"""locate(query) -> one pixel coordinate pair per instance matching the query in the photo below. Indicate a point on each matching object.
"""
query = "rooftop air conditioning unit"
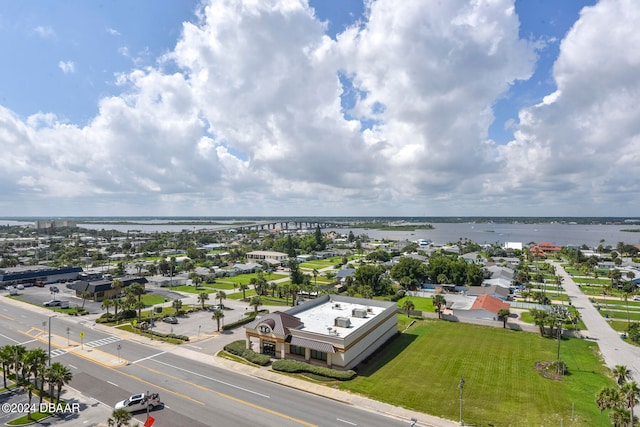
(342, 322)
(359, 312)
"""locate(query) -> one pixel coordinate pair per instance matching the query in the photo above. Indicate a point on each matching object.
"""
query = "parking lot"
(197, 326)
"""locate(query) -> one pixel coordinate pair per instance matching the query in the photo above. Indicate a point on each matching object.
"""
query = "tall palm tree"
(503, 314)
(7, 358)
(58, 375)
(255, 302)
(106, 304)
(202, 297)
(29, 387)
(243, 287)
(622, 374)
(35, 360)
(438, 302)
(220, 295)
(138, 290)
(608, 398)
(177, 306)
(217, 316)
(631, 395)
(315, 276)
(116, 285)
(19, 352)
(116, 304)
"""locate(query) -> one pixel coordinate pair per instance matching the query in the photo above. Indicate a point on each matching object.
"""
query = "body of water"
(558, 234)
(561, 234)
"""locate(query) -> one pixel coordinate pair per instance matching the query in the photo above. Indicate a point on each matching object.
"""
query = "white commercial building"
(334, 331)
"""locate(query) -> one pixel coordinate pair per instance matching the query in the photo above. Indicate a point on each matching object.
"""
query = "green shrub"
(238, 348)
(249, 318)
(257, 358)
(296, 367)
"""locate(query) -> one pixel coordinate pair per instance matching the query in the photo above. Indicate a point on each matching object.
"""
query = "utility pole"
(460, 386)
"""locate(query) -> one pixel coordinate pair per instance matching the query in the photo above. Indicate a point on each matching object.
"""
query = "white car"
(636, 298)
(139, 402)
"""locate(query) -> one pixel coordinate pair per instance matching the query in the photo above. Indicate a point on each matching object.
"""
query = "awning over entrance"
(313, 345)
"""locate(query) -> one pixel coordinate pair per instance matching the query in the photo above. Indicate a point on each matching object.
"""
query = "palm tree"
(408, 305)
(622, 374)
(217, 316)
(503, 314)
(19, 352)
(315, 276)
(59, 375)
(631, 394)
(119, 418)
(35, 360)
(7, 358)
(540, 319)
(116, 285)
(438, 302)
(243, 287)
(608, 398)
(255, 302)
(137, 290)
(116, 304)
(106, 304)
(220, 295)
(177, 306)
(29, 386)
(202, 297)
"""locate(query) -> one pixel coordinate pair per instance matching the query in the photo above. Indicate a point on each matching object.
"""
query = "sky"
(320, 108)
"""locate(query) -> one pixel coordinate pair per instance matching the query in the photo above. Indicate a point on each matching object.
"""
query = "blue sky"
(338, 107)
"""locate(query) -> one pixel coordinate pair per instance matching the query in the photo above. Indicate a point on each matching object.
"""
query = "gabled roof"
(489, 303)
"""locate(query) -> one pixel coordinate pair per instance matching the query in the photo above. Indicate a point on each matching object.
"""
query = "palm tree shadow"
(387, 352)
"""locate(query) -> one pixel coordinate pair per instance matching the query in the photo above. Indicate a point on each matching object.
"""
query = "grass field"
(421, 370)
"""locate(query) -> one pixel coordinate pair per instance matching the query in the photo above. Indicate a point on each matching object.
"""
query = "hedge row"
(296, 367)
(238, 348)
(250, 317)
(161, 335)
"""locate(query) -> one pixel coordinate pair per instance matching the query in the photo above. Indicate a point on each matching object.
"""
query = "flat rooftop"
(321, 317)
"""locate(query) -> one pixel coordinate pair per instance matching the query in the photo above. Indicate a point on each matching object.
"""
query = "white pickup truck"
(139, 402)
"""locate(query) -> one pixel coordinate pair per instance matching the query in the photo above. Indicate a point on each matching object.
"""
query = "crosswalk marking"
(102, 341)
(57, 352)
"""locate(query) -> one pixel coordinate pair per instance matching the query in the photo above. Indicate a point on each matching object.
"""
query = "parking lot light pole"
(460, 386)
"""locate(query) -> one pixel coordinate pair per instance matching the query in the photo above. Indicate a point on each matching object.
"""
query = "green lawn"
(421, 369)
(420, 303)
(591, 281)
(152, 299)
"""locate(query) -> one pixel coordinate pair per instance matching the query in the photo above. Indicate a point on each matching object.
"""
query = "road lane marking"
(213, 379)
(114, 384)
(6, 317)
(227, 396)
(346, 422)
(148, 357)
(10, 339)
(71, 366)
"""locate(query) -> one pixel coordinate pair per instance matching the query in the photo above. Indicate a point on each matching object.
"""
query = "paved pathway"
(614, 350)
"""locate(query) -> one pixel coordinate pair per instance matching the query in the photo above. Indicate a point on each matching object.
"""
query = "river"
(561, 234)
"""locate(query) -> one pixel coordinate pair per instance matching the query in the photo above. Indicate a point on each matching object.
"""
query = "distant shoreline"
(346, 220)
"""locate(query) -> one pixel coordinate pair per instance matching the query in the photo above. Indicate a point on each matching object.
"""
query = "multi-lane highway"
(107, 368)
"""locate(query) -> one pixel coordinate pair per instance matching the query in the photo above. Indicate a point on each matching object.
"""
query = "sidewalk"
(111, 360)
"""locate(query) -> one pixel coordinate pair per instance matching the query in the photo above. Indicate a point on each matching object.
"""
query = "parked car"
(636, 298)
(170, 319)
(139, 402)
(52, 303)
(54, 289)
(214, 307)
(19, 287)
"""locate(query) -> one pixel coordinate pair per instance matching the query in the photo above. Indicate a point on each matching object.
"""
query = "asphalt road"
(196, 390)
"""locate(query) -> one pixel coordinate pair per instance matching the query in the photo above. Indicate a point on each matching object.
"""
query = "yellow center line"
(7, 317)
(235, 399)
(134, 377)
